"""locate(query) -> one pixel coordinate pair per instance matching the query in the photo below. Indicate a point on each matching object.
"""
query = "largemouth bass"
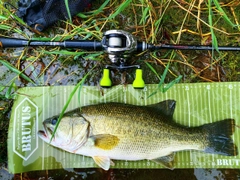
(128, 132)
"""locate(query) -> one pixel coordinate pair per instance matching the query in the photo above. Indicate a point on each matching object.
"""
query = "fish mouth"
(46, 133)
(42, 134)
(49, 131)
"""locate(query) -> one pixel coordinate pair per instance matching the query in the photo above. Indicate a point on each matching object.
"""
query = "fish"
(118, 131)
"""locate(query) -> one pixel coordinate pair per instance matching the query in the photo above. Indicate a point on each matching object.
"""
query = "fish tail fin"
(219, 138)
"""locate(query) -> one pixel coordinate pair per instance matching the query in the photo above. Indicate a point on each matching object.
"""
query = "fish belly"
(137, 149)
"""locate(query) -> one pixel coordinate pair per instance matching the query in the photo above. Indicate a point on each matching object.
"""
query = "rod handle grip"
(83, 44)
(12, 42)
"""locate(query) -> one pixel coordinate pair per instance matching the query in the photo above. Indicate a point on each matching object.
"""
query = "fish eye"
(54, 121)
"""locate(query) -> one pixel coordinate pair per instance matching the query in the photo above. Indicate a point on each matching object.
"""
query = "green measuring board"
(197, 104)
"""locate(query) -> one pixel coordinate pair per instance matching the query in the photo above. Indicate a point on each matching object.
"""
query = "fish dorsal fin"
(105, 141)
(166, 107)
(103, 161)
(167, 161)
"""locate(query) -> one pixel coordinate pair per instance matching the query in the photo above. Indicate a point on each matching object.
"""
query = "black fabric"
(40, 14)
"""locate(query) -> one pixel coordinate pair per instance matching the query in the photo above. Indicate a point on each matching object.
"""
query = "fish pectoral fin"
(105, 141)
(103, 161)
(167, 161)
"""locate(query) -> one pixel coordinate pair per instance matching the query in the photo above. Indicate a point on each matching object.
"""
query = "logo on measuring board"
(25, 128)
(228, 162)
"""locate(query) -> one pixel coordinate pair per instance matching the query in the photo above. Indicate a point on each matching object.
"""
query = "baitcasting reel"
(119, 45)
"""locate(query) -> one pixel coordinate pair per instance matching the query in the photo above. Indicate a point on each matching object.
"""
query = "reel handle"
(138, 83)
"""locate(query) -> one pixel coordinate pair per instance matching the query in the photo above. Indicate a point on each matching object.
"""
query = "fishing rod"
(118, 44)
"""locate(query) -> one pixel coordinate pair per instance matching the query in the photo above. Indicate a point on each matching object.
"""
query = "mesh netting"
(40, 14)
(56, 9)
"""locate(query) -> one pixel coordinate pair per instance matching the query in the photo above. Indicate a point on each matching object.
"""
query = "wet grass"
(188, 22)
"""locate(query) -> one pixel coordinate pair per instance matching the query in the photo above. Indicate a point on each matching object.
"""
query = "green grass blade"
(120, 9)
(2, 88)
(214, 39)
(3, 17)
(224, 15)
(153, 70)
(164, 75)
(65, 52)
(161, 86)
(8, 94)
(68, 10)
(95, 12)
(144, 15)
(4, 27)
(169, 85)
(79, 94)
(93, 56)
(15, 70)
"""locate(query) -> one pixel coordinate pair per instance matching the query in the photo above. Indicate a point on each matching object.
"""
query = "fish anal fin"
(167, 161)
(166, 107)
(103, 161)
(105, 141)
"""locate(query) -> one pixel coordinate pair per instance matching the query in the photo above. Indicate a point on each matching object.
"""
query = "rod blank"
(97, 46)
(80, 44)
(195, 47)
